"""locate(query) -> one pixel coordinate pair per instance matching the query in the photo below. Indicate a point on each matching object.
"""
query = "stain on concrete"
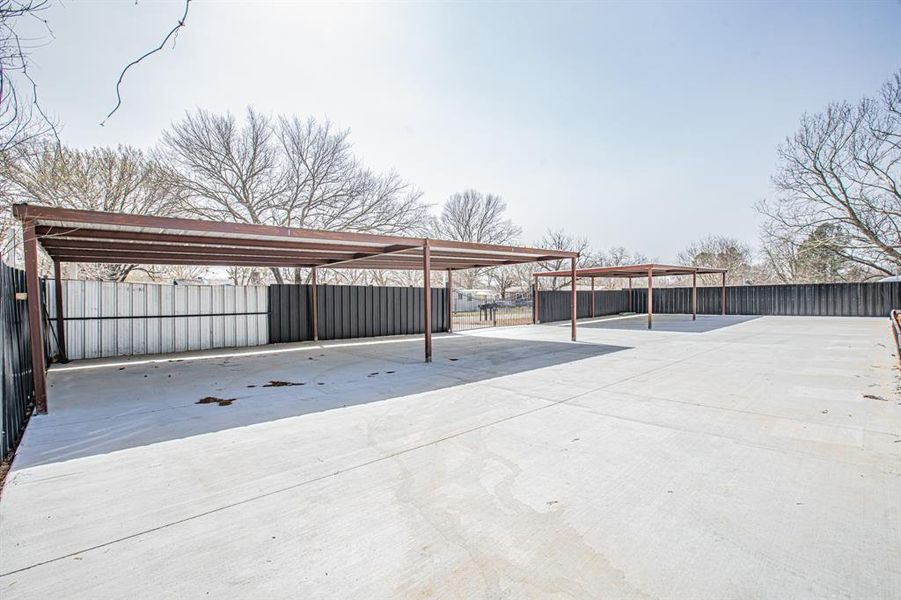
(494, 548)
(215, 400)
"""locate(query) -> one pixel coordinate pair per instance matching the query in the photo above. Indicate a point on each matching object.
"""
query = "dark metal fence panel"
(351, 311)
(555, 305)
(819, 299)
(17, 386)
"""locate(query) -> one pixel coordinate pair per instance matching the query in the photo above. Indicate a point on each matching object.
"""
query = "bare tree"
(842, 169)
(22, 119)
(171, 35)
(617, 256)
(720, 252)
(174, 273)
(288, 172)
(818, 258)
(560, 240)
(505, 279)
(246, 276)
(614, 257)
(471, 216)
(120, 180)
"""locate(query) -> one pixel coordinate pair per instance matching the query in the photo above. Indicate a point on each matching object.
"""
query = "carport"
(630, 272)
(69, 235)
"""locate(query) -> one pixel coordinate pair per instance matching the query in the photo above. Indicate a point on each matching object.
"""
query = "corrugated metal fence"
(104, 318)
(350, 311)
(820, 299)
(554, 306)
(16, 388)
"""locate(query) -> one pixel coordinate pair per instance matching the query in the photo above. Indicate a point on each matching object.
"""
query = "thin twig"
(173, 31)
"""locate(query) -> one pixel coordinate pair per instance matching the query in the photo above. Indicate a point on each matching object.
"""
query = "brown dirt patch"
(215, 400)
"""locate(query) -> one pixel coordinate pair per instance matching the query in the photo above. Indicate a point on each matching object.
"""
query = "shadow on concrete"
(673, 323)
(98, 407)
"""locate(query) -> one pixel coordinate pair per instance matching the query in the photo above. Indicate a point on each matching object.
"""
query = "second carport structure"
(630, 272)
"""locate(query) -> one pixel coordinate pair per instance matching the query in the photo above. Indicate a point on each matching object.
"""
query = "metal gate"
(17, 387)
(476, 311)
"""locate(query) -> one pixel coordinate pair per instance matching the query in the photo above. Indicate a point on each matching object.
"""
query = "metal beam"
(592, 297)
(634, 271)
(631, 305)
(197, 260)
(35, 325)
(60, 315)
(650, 298)
(314, 309)
(138, 255)
(723, 295)
(46, 233)
(536, 253)
(450, 301)
(573, 297)
(694, 296)
(91, 217)
(535, 300)
(360, 256)
(62, 245)
(427, 298)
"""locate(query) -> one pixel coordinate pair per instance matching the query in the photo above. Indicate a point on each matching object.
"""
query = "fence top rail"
(70, 235)
(642, 270)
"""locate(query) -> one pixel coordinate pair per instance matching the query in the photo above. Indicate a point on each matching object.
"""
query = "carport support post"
(574, 303)
(450, 301)
(60, 322)
(427, 298)
(35, 329)
(631, 306)
(592, 297)
(535, 300)
(694, 296)
(314, 310)
(723, 295)
(650, 298)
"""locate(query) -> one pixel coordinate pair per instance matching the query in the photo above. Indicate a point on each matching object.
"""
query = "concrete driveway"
(725, 458)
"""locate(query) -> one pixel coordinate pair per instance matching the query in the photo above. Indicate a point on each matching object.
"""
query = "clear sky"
(645, 125)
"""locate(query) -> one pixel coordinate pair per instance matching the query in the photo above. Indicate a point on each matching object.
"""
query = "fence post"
(592, 298)
(427, 298)
(33, 290)
(694, 296)
(631, 306)
(723, 295)
(573, 300)
(450, 301)
(60, 316)
(314, 309)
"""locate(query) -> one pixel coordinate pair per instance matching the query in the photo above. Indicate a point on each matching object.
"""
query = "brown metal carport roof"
(70, 235)
(656, 270)
(649, 270)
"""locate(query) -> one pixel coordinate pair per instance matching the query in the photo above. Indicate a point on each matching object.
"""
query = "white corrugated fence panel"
(105, 318)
